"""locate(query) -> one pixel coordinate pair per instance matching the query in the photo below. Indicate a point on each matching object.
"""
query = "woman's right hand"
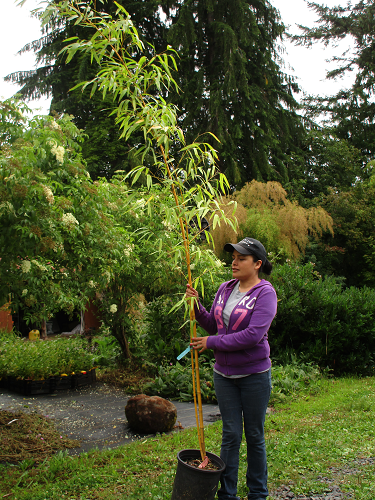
(190, 292)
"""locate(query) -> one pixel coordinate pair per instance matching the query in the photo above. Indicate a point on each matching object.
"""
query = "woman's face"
(244, 266)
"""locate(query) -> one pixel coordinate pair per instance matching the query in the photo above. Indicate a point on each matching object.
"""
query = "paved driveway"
(94, 414)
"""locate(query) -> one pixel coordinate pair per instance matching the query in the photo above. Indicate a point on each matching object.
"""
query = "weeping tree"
(265, 211)
(135, 82)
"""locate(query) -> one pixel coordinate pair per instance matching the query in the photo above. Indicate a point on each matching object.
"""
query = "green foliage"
(232, 86)
(59, 240)
(165, 333)
(294, 378)
(175, 381)
(39, 359)
(106, 352)
(350, 251)
(330, 325)
(329, 163)
(350, 110)
(288, 381)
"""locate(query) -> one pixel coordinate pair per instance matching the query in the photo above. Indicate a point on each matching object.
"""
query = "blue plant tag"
(188, 349)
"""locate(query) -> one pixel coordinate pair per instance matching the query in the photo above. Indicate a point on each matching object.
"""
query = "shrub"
(164, 338)
(294, 377)
(332, 326)
(166, 333)
(174, 381)
(106, 351)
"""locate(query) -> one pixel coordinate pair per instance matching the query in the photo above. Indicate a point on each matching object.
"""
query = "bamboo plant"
(187, 171)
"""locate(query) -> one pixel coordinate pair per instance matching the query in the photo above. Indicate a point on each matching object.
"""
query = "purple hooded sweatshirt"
(242, 348)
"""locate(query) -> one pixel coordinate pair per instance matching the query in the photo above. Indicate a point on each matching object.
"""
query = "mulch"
(29, 437)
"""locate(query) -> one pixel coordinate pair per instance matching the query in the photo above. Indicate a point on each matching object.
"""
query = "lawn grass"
(313, 442)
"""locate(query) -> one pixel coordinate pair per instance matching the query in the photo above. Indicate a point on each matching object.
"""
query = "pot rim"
(195, 453)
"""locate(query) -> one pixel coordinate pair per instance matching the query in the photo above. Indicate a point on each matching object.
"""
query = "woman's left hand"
(200, 343)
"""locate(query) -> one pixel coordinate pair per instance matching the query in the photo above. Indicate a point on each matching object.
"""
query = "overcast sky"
(17, 28)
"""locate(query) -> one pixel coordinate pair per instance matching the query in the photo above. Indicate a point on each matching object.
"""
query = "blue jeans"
(245, 398)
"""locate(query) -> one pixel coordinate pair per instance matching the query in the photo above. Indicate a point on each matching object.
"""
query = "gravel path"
(284, 493)
(333, 491)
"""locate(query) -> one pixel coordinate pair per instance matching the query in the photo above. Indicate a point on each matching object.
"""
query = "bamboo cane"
(193, 378)
(196, 380)
(200, 425)
(201, 445)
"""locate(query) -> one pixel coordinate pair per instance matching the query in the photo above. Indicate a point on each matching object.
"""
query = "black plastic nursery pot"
(61, 382)
(83, 378)
(28, 387)
(191, 483)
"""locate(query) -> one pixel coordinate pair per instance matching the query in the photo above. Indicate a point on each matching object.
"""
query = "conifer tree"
(351, 110)
(232, 85)
(229, 77)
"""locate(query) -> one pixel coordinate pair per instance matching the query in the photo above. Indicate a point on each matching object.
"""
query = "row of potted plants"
(41, 367)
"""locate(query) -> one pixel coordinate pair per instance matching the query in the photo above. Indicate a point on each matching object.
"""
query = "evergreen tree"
(232, 85)
(230, 80)
(351, 110)
(350, 252)
(329, 163)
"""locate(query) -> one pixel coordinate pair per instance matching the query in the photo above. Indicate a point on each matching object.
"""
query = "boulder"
(150, 414)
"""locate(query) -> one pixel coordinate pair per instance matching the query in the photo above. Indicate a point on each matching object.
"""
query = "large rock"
(150, 414)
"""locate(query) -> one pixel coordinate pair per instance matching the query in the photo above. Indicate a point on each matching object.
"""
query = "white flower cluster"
(55, 126)
(48, 194)
(24, 292)
(167, 225)
(69, 220)
(58, 151)
(107, 274)
(59, 247)
(91, 284)
(38, 264)
(128, 250)
(113, 308)
(25, 266)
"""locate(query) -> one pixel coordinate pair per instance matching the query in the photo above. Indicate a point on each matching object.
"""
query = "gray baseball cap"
(248, 246)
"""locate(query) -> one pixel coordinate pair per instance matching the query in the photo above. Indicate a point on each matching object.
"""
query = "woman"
(237, 324)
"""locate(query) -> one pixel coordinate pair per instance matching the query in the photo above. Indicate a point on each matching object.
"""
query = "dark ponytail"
(266, 267)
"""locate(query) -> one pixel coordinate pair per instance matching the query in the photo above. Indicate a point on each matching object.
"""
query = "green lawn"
(327, 436)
